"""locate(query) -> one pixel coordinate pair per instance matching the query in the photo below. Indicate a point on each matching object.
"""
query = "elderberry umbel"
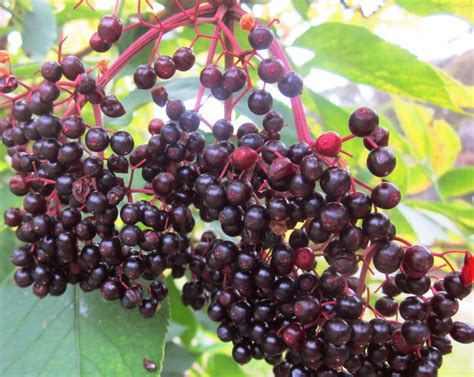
(288, 284)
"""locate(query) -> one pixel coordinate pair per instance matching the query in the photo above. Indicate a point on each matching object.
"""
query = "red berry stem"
(362, 184)
(297, 109)
(210, 56)
(402, 240)
(368, 255)
(165, 26)
(348, 137)
(230, 45)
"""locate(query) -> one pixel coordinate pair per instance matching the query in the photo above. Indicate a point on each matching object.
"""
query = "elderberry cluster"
(286, 211)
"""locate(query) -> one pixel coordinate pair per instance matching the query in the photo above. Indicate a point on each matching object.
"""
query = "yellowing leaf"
(419, 182)
(445, 146)
(414, 120)
(462, 8)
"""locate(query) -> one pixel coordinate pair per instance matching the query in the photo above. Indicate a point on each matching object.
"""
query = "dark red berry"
(99, 44)
(112, 107)
(164, 67)
(363, 121)
(291, 85)
(144, 77)
(234, 79)
(260, 102)
(184, 58)
(211, 76)
(386, 195)
(71, 67)
(51, 71)
(260, 37)
(271, 70)
(381, 161)
(110, 28)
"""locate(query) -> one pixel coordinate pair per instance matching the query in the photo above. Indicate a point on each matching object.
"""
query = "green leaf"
(457, 182)
(426, 230)
(82, 12)
(39, 30)
(76, 334)
(177, 360)
(8, 199)
(459, 211)
(361, 56)
(445, 146)
(178, 88)
(302, 7)
(462, 8)
(26, 69)
(180, 314)
(220, 362)
(333, 117)
(7, 237)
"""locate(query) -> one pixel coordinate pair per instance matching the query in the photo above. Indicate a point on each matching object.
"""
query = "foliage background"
(426, 106)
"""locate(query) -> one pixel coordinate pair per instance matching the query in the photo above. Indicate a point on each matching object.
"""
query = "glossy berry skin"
(363, 121)
(244, 158)
(291, 85)
(159, 96)
(358, 204)
(85, 84)
(122, 143)
(260, 102)
(112, 107)
(260, 37)
(304, 259)
(455, 287)
(175, 109)
(211, 76)
(379, 136)
(110, 28)
(144, 77)
(328, 144)
(311, 168)
(97, 139)
(271, 70)
(388, 257)
(98, 44)
(51, 71)
(443, 305)
(189, 121)
(335, 181)
(333, 217)
(220, 93)
(417, 261)
(165, 67)
(234, 79)
(376, 226)
(73, 127)
(462, 332)
(386, 195)
(71, 67)
(222, 129)
(184, 59)
(381, 161)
